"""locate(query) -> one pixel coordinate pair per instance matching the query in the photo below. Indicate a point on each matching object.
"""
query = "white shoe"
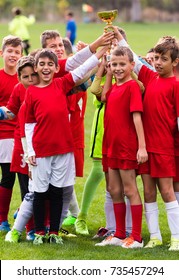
(130, 243)
(174, 246)
(110, 240)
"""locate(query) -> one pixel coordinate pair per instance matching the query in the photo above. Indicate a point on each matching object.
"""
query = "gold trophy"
(108, 17)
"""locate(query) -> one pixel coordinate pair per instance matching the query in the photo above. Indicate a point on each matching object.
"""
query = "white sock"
(151, 214)
(25, 212)
(128, 216)
(74, 208)
(109, 212)
(177, 196)
(172, 209)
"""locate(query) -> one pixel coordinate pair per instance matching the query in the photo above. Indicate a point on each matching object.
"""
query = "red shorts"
(158, 166)
(115, 163)
(79, 161)
(18, 163)
(176, 178)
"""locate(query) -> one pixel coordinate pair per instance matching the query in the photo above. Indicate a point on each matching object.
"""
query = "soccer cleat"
(174, 245)
(69, 221)
(130, 243)
(56, 239)
(39, 239)
(81, 227)
(13, 236)
(101, 233)
(5, 226)
(30, 236)
(153, 242)
(110, 240)
(63, 232)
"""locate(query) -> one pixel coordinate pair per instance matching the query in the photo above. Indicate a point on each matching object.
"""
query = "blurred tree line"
(51, 9)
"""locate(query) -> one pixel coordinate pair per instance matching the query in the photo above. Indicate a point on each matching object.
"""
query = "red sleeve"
(14, 102)
(29, 115)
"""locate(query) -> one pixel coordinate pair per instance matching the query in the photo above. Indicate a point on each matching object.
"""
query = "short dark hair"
(11, 40)
(23, 62)
(68, 46)
(16, 11)
(121, 51)
(70, 14)
(46, 53)
(168, 43)
(48, 34)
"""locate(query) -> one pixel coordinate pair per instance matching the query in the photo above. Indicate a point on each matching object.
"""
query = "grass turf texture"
(141, 38)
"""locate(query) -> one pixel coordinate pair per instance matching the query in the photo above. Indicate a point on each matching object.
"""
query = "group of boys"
(132, 142)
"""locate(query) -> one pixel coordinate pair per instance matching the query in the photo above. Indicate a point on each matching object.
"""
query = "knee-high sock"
(151, 214)
(120, 216)
(5, 199)
(172, 209)
(95, 177)
(39, 211)
(136, 212)
(74, 208)
(109, 212)
(25, 213)
(67, 194)
(56, 204)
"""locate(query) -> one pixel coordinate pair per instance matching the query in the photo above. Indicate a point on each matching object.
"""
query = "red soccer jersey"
(160, 116)
(77, 107)
(47, 107)
(7, 83)
(120, 138)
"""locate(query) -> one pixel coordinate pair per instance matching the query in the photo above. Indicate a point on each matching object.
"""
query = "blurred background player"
(18, 26)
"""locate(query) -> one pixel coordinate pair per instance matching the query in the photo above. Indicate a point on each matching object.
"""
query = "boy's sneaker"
(5, 226)
(63, 232)
(13, 236)
(101, 233)
(56, 239)
(30, 236)
(110, 240)
(174, 245)
(39, 239)
(81, 227)
(153, 242)
(69, 221)
(130, 243)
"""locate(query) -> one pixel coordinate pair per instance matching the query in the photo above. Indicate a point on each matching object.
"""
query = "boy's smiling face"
(56, 45)
(11, 55)
(121, 68)
(46, 69)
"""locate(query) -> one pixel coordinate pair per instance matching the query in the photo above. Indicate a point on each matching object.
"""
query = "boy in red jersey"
(123, 145)
(160, 124)
(11, 51)
(15, 106)
(49, 138)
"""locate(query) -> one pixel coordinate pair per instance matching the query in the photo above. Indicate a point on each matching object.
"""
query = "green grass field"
(141, 38)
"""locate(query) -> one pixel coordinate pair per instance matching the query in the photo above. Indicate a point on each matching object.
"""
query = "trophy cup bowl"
(108, 16)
